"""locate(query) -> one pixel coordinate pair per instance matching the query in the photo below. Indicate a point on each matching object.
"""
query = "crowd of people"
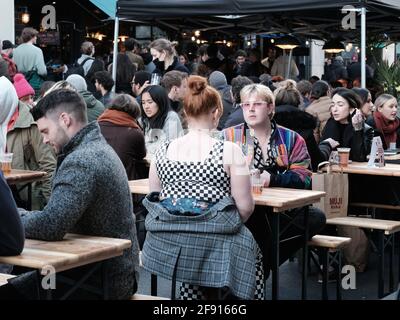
(207, 126)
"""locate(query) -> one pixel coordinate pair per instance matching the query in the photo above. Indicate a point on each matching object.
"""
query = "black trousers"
(260, 227)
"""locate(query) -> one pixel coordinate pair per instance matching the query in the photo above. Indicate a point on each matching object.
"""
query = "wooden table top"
(280, 199)
(74, 251)
(24, 176)
(390, 169)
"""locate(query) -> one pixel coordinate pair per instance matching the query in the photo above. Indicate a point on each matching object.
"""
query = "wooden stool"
(386, 230)
(331, 253)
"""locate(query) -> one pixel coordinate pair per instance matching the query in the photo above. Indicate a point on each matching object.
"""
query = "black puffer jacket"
(359, 141)
(304, 124)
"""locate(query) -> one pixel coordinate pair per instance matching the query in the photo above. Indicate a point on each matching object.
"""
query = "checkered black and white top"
(205, 181)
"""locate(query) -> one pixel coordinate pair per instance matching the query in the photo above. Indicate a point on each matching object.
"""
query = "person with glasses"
(282, 158)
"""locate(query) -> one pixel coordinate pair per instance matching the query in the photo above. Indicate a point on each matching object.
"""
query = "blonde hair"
(287, 94)
(60, 85)
(262, 91)
(382, 99)
(164, 45)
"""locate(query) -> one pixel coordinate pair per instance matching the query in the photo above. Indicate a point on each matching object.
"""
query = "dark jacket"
(359, 141)
(304, 124)
(226, 97)
(235, 117)
(354, 71)
(335, 71)
(128, 143)
(91, 196)
(176, 65)
(11, 231)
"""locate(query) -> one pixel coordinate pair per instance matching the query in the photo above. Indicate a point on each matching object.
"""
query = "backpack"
(77, 68)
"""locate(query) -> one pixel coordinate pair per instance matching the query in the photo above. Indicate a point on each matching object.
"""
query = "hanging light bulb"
(193, 38)
(272, 40)
(197, 33)
(25, 17)
(198, 41)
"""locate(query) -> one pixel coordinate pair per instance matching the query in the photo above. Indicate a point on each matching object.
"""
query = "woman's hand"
(358, 120)
(333, 143)
(265, 178)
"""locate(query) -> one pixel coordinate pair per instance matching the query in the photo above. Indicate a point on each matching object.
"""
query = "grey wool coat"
(214, 249)
(90, 195)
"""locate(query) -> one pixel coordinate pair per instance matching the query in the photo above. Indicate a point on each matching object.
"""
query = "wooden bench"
(386, 230)
(4, 277)
(331, 248)
(137, 296)
(374, 205)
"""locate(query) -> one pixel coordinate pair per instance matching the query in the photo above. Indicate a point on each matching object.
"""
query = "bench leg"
(381, 264)
(339, 275)
(325, 273)
(305, 256)
(391, 242)
(275, 255)
(153, 284)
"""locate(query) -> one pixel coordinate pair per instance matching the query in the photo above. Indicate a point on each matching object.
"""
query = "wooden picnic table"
(389, 170)
(24, 176)
(279, 200)
(73, 251)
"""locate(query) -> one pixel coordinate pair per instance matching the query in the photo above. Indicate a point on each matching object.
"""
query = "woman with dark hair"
(160, 123)
(125, 72)
(346, 124)
(320, 106)
(366, 101)
(120, 128)
(288, 114)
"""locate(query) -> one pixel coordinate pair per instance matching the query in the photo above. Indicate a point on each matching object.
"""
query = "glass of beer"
(344, 154)
(256, 183)
(5, 162)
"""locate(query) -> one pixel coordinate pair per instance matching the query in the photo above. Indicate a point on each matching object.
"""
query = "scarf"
(119, 118)
(387, 127)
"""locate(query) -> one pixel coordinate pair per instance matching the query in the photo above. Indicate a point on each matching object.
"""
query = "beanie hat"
(22, 86)
(77, 81)
(217, 80)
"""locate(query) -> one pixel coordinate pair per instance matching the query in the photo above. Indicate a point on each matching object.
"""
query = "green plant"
(389, 77)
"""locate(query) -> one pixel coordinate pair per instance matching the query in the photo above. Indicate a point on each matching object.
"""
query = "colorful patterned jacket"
(293, 163)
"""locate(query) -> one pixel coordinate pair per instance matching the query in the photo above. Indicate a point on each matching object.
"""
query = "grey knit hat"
(77, 81)
(217, 80)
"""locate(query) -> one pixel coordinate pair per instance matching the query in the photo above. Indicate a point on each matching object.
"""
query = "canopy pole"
(115, 52)
(363, 47)
(289, 64)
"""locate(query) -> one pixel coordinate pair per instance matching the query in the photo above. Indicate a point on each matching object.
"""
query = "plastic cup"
(256, 183)
(344, 155)
(155, 79)
(5, 162)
